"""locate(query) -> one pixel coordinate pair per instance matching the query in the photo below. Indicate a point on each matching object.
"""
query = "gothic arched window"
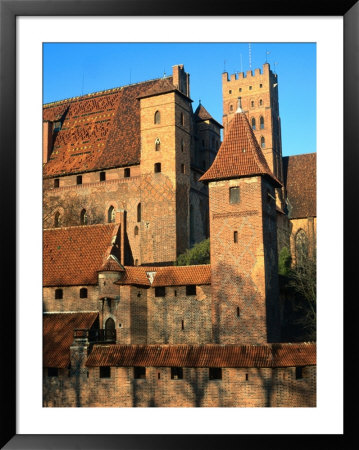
(263, 142)
(301, 247)
(111, 214)
(261, 123)
(157, 117)
(157, 144)
(83, 293)
(57, 220)
(83, 217)
(253, 123)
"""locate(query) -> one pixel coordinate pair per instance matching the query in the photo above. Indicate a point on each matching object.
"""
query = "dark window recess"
(261, 123)
(157, 167)
(139, 373)
(182, 119)
(234, 195)
(57, 220)
(191, 290)
(127, 172)
(176, 373)
(139, 212)
(102, 176)
(215, 373)
(79, 179)
(298, 373)
(238, 311)
(160, 291)
(159, 375)
(157, 117)
(105, 372)
(136, 231)
(235, 237)
(253, 124)
(52, 372)
(182, 168)
(83, 293)
(247, 377)
(56, 183)
(182, 324)
(58, 294)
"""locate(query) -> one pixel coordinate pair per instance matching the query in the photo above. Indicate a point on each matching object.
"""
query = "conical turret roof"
(239, 155)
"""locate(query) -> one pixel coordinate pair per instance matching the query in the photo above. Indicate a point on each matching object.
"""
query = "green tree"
(198, 254)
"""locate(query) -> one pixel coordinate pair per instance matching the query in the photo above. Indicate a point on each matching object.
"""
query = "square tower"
(243, 240)
(259, 99)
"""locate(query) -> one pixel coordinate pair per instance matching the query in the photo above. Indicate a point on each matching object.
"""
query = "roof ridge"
(82, 226)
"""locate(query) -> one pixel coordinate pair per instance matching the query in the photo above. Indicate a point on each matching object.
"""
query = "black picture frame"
(9, 10)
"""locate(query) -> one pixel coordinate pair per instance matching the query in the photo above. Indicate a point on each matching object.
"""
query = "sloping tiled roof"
(300, 180)
(210, 355)
(239, 155)
(99, 131)
(168, 276)
(73, 255)
(202, 114)
(58, 335)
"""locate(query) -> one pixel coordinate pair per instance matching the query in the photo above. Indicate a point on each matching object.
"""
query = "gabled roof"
(209, 355)
(167, 276)
(99, 130)
(239, 155)
(201, 114)
(72, 256)
(300, 180)
(58, 335)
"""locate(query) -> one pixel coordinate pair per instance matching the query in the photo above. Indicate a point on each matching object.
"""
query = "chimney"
(180, 79)
(46, 140)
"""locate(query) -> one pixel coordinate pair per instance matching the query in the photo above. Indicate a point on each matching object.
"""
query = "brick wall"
(71, 300)
(239, 387)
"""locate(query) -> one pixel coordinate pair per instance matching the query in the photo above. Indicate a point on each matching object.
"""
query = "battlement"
(249, 74)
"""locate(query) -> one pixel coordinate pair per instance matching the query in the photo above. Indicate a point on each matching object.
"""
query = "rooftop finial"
(239, 109)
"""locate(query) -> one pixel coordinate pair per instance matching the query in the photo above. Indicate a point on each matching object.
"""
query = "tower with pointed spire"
(243, 238)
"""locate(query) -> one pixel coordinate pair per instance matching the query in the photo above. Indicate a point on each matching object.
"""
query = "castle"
(132, 178)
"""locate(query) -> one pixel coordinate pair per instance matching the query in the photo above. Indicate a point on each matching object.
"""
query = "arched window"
(139, 212)
(58, 294)
(252, 103)
(83, 293)
(261, 122)
(301, 247)
(260, 102)
(157, 117)
(136, 230)
(111, 214)
(231, 107)
(157, 144)
(263, 142)
(110, 324)
(57, 220)
(83, 217)
(253, 123)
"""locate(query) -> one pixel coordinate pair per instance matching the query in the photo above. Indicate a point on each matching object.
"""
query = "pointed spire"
(239, 154)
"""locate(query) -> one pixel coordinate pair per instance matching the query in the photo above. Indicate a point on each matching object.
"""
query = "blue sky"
(73, 69)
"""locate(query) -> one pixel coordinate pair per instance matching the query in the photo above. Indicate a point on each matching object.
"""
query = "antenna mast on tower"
(250, 56)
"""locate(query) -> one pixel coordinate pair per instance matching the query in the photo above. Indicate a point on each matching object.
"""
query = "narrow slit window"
(56, 183)
(102, 176)
(253, 123)
(127, 172)
(182, 119)
(298, 373)
(139, 212)
(157, 117)
(238, 312)
(261, 123)
(157, 145)
(83, 217)
(182, 324)
(263, 142)
(235, 237)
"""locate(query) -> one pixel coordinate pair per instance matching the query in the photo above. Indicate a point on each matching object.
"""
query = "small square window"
(52, 372)
(56, 183)
(139, 373)
(58, 294)
(102, 176)
(261, 85)
(176, 373)
(250, 88)
(191, 290)
(79, 179)
(298, 373)
(105, 372)
(215, 373)
(234, 195)
(157, 167)
(127, 172)
(160, 291)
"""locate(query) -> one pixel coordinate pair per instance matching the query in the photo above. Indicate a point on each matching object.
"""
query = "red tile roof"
(300, 179)
(239, 155)
(202, 114)
(73, 255)
(99, 130)
(58, 335)
(168, 276)
(210, 355)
